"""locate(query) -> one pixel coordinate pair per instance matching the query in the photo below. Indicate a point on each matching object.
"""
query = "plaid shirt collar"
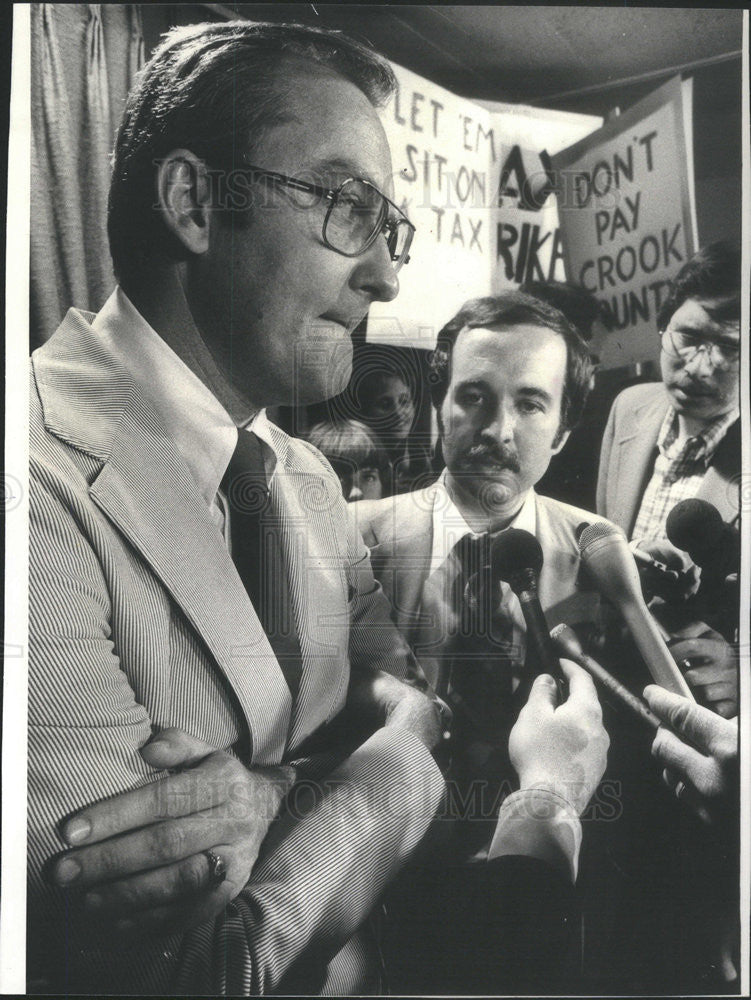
(702, 446)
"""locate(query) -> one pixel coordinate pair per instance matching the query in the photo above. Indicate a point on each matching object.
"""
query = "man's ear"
(183, 194)
(560, 439)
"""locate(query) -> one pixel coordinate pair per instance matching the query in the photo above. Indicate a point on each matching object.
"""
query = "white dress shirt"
(194, 420)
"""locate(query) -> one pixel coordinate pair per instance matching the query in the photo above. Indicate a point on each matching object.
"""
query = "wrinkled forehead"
(330, 130)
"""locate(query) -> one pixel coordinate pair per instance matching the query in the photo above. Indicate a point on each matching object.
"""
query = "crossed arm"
(139, 872)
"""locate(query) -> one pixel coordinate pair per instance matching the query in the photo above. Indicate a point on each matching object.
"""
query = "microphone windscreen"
(604, 551)
(694, 525)
(514, 551)
(600, 529)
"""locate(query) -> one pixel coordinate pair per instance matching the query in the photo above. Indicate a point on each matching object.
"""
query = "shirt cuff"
(539, 823)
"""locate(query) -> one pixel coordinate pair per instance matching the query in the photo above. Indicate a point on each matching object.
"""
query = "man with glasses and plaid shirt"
(669, 441)
(666, 442)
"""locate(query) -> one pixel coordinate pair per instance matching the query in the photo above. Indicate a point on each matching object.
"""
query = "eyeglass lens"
(686, 345)
(358, 213)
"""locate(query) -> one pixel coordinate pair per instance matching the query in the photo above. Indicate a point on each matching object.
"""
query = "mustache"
(482, 454)
(694, 388)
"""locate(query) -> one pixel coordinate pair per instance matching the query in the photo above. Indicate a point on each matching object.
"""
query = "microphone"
(659, 581)
(696, 527)
(569, 646)
(516, 557)
(605, 552)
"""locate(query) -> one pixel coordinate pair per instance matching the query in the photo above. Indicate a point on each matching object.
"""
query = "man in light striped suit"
(241, 851)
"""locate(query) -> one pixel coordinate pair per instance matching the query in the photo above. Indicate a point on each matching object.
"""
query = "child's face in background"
(358, 483)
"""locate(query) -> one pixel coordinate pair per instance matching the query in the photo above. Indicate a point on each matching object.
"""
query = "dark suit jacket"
(505, 926)
(629, 448)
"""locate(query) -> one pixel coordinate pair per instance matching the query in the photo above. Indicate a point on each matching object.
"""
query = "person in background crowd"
(384, 393)
(680, 438)
(666, 441)
(508, 378)
(361, 464)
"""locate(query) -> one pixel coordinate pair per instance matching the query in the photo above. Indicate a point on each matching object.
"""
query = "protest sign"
(473, 180)
(626, 207)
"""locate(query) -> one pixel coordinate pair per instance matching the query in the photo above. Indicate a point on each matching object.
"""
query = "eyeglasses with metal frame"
(357, 214)
(723, 355)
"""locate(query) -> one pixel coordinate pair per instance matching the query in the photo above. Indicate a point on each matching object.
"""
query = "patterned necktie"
(255, 536)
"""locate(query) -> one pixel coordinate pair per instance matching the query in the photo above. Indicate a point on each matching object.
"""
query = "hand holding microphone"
(568, 644)
(699, 751)
(696, 527)
(561, 746)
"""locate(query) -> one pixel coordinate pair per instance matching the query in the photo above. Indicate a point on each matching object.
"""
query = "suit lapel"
(562, 597)
(149, 495)
(145, 489)
(635, 453)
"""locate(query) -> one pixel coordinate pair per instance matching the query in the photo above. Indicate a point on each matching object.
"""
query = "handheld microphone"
(696, 527)
(605, 552)
(516, 557)
(569, 646)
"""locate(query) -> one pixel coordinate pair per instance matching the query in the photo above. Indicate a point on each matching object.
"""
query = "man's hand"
(707, 775)
(384, 700)
(138, 857)
(561, 747)
(677, 581)
(710, 666)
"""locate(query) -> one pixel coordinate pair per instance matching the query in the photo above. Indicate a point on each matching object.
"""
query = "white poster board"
(627, 214)
(473, 181)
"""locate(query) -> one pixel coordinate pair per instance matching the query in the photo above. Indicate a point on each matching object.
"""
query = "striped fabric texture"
(139, 620)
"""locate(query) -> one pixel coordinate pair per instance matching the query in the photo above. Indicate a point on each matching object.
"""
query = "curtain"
(94, 167)
(76, 99)
(136, 45)
(58, 275)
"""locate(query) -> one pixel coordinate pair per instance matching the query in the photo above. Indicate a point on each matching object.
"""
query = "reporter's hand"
(138, 856)
(386, 701)
(681, 576)
(708, 770)
(561, 747)
(710, 665)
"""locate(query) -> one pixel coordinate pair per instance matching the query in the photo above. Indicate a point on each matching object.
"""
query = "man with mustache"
(509, 379)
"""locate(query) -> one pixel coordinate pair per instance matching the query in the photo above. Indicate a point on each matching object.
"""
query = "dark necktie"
(480, 696)
(255, 535)
(480, 674)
